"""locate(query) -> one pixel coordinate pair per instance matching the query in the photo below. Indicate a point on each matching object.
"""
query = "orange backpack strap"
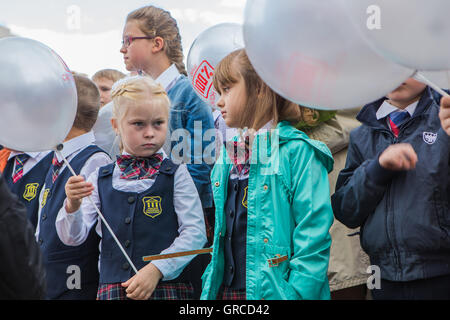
(4, 155)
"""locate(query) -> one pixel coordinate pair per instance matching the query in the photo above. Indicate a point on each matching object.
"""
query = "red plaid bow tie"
(240, 156)
(18, 170)
(56, 166)
(138, 168)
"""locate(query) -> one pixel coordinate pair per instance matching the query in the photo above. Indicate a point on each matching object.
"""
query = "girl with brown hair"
(273, 209)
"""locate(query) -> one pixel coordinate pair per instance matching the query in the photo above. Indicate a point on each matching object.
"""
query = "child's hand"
(76, 189)
(142, 285)
(398, 157)
(444, 114)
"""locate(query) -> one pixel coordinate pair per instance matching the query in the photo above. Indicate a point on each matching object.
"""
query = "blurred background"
(87, 34)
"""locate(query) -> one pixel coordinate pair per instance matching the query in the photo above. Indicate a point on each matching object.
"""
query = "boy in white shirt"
(71, 271)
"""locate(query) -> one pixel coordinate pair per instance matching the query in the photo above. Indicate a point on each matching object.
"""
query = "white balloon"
(208, 49)
(309, 52)
(413, 33)
(105, 136)
(38, 97)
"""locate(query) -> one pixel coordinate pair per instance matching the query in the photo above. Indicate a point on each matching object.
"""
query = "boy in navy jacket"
(72, 272)
(396, 187)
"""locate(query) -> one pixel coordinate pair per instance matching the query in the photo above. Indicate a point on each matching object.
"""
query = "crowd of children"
(260, 200)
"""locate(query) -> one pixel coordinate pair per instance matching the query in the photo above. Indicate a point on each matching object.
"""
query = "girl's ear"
(158, 44)
(114, 125)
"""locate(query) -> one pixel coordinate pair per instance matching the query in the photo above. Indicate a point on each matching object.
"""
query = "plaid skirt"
(226, 293)
(166, 291)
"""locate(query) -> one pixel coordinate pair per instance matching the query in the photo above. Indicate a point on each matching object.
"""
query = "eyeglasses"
(127, 40)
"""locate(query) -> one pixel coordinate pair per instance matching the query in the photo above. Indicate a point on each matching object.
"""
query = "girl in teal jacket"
(272, 197)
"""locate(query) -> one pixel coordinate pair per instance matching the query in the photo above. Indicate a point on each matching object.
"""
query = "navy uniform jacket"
(30, 185)
(404, 215)
(61, 260)
(145, 223)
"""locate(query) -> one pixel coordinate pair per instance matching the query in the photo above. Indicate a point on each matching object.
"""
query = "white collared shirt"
(169, 77)
(35, 158)
(73, 228)
(386, 109)
(72, 148)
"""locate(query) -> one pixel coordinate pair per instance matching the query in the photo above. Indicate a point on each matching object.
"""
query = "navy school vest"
(236, 234)
(30, 185)
(61, 261)
(145, 223)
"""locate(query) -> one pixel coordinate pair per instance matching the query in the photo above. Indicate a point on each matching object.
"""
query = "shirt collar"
(168, 78)
(124, 153)
(386, 109)
(33, 155)
(75, 144)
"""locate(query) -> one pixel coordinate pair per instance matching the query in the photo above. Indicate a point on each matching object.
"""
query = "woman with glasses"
(151, 46)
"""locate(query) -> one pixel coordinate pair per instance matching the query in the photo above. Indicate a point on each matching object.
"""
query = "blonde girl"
(150, 203)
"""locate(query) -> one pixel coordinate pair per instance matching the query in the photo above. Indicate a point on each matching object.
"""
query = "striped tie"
(56, 166)
(18, 170)
(396, 118)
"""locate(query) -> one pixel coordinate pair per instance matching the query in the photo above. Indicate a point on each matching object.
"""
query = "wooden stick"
(176, 254)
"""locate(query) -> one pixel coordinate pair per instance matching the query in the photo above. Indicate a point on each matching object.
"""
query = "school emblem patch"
(44, 197)
(30, 191)
(244, 199)
(152, 206)
(429, 137)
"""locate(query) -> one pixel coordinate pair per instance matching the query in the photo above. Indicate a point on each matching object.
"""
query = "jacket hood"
(287, 133)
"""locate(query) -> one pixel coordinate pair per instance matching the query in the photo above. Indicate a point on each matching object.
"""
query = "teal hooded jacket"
(289, 216)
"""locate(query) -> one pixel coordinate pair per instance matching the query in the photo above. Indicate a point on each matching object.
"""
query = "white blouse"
(71, 149)
(74, 228)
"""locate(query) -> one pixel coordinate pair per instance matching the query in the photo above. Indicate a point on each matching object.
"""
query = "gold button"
(217, 184)
(266, 187)
(266, 240)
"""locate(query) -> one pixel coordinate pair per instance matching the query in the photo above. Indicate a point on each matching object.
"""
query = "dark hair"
(88, 103)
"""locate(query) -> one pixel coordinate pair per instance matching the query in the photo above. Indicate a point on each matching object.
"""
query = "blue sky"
(87, 33)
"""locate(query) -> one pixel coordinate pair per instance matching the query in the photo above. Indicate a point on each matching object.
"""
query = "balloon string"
(115, 146)
(420, 77)
(447, 73)
(101, 216)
